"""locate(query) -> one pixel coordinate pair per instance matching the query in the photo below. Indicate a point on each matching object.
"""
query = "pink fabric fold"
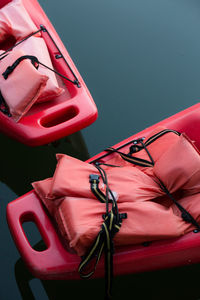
(151, 214)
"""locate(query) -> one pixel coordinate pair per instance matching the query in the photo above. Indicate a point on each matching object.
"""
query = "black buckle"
(137, 141)
(135, 147)
(123, 216)
(94, 177)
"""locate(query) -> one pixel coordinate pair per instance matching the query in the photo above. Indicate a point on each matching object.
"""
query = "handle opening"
(33, 233)
(59, 117)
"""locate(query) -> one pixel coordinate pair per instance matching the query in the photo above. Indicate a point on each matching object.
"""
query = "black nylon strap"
(103, 242)
(109, 193)
(135, 147)
(94, 186)
(11, 68)
(159, 134)
(44, 29)
(186, 216)
(138, 145)
(134, 160)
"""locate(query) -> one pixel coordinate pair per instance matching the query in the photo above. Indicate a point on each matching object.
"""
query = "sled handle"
(53, 260)
(58, 121)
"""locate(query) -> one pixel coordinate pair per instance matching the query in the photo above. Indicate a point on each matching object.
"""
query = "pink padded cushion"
(36, 46)
(80, 219)
(15, 21)
(22, 87)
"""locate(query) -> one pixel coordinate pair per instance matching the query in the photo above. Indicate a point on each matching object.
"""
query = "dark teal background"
(141, 62)
(139, 58)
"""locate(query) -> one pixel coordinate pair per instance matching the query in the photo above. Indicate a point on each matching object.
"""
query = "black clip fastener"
(94, 177)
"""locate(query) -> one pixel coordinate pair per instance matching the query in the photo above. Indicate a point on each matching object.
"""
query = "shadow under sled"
(31, 288)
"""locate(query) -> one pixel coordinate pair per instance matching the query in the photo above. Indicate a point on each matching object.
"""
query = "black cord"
(108, 191)
(43, 28)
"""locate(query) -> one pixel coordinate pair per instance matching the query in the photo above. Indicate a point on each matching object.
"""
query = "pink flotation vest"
(151, 213)
(150, 193)
(16, 23)
(36, 46)
(20, 89)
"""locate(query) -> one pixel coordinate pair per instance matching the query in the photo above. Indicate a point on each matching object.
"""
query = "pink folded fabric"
(151, 214)
(15, 21)
(127, 183)
(22, 87)
(36, 46)
(179, 166)
(80, 219)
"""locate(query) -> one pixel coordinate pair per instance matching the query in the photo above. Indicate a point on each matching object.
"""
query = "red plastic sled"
(57, 263)
(64, 115)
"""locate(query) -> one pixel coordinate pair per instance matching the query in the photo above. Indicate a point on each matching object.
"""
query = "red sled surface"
(62, 116)
(57, 263)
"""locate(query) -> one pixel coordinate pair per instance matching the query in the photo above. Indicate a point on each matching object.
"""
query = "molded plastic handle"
(57, 263)
(55, 260)
(58, 121)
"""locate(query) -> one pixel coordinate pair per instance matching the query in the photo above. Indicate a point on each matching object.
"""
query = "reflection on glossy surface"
(21, 165)
(166, 284)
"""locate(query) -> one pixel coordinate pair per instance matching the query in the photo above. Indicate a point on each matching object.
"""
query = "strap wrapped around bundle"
(151, 213)
(36, 46)
(21, 88)
(151, 194)
(15, 22)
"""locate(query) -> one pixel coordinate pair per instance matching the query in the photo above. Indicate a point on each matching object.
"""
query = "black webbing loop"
(143, 145)
(134, 160)
(159, 134)
(44, 29)
(35, 63)
(11, 68)
(147, 151)
(186, 216)
(94, 186)
(59, 74)
(109, 194)
(75, 81)
(103, 242)
(135, 147)
(126, 144)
